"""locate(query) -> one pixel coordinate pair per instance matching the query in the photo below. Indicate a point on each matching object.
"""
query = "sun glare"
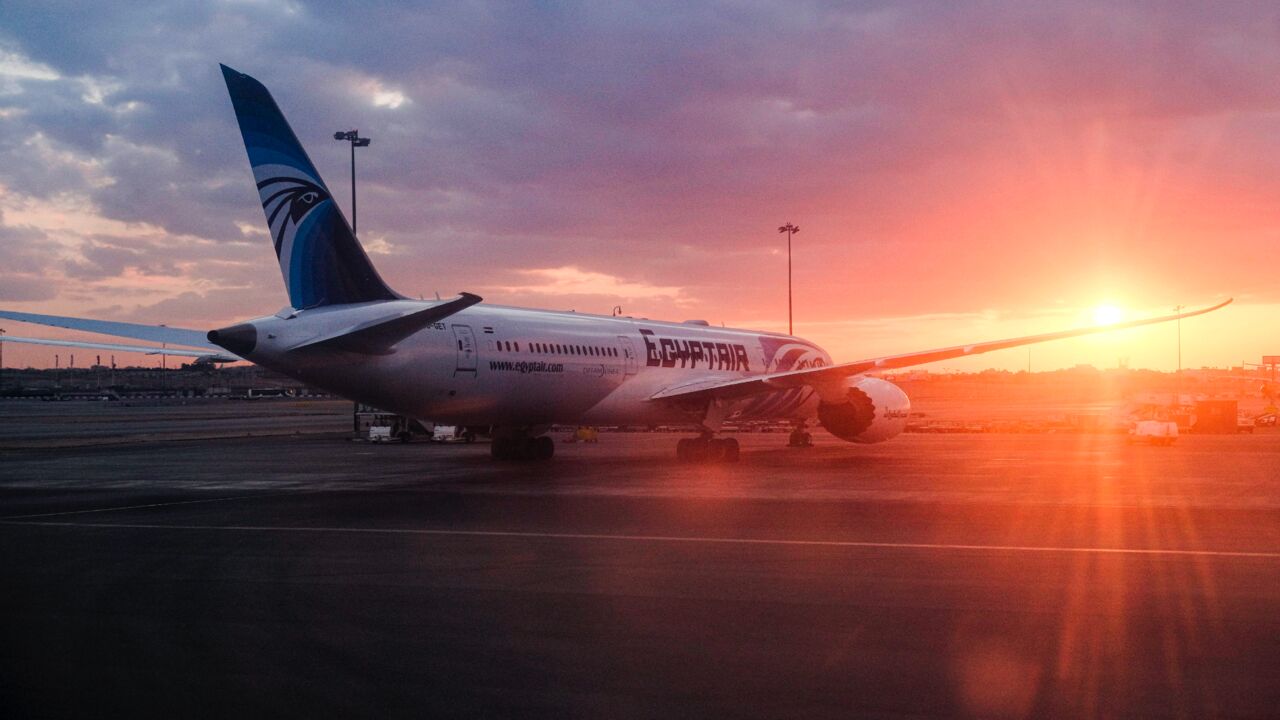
(1107, 315)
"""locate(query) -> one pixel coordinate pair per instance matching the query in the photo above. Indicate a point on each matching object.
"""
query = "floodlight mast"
(790, 230)
(352, 136)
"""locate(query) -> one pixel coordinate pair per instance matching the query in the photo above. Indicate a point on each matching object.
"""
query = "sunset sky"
(959, 172)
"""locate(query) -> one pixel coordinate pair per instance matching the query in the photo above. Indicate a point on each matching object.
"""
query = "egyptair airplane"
(515, 371)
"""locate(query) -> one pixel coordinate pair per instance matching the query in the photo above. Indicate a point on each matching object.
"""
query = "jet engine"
(869, 410)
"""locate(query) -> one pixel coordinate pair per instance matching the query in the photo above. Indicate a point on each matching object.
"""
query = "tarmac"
(296, 572)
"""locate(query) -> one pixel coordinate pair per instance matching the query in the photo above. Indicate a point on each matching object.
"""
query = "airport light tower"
(353, 136)
(1178, 377)
(790, 230)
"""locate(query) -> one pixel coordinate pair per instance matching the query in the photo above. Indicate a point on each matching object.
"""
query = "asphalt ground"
(932, 576)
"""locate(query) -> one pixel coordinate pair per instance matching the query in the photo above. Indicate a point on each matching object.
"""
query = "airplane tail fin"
(320, 258)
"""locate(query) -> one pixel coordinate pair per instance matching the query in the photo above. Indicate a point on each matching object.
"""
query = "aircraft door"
(466, 340)
(628, 353)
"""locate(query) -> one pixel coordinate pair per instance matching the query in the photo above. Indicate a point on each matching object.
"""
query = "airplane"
(515, 371)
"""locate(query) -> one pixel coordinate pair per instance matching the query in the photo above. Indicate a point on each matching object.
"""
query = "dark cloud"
(24, 260)
(108, 257)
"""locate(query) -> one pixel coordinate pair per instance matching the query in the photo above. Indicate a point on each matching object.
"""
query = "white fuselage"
(495, 365)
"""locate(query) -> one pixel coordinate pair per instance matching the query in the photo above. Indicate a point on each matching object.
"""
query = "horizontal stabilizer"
(377, 336)
(210, 355)
(149, 333)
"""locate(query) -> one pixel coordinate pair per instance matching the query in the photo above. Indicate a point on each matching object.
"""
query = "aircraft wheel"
(730, 450)
(543, 448)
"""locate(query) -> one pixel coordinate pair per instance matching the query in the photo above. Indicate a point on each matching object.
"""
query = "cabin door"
(466, 340)
(628, 353)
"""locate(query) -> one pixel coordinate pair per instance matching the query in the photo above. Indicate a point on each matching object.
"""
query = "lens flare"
(1107, 315)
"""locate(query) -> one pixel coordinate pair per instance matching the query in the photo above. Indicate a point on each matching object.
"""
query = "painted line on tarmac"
(667, 539)
(115, 508)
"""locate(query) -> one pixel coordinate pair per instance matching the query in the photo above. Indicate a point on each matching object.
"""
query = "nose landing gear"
(707, 449)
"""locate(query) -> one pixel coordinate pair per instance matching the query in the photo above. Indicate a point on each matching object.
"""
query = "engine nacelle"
(873, 411)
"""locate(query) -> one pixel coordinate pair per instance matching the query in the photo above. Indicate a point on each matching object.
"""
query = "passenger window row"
(543, 348)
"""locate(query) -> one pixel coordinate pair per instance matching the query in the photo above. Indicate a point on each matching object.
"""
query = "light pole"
(1178, 309)
(356, 141)
(790, 230)
(1178, 382)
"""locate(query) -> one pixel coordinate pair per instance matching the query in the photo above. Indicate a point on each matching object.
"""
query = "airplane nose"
(239, 339)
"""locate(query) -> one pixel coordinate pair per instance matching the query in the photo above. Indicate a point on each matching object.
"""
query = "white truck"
(451, 434)
(1154, 432)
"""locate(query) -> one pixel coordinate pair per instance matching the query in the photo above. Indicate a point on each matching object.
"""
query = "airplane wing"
(742, 387)
(150, 333)
(212, 356)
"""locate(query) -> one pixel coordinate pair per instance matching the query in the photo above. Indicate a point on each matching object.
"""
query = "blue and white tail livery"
(320, 259)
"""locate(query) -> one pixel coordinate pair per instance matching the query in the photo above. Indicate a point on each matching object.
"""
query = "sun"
(1107, 315)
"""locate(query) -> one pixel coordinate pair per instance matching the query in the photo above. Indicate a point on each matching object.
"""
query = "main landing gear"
(522, 447)
(707, 449)
(800, 437)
